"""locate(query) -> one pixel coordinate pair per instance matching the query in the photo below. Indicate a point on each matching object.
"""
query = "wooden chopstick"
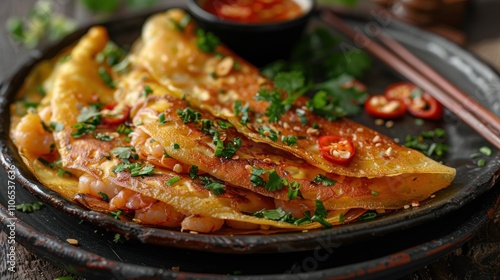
(404, 62)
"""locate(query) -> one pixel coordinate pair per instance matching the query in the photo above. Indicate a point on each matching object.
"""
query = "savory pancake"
(98, 160)
(173, 57)
(179, 140)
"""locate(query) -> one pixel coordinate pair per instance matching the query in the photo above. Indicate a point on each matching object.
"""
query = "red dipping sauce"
(253, 11)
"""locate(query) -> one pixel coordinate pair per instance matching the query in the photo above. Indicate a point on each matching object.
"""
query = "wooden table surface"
(480, 256)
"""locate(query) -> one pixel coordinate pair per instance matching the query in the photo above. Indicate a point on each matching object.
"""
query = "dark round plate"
(456, 64)
(97, 257)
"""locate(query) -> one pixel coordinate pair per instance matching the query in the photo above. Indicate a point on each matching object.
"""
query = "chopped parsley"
(320, 215)
(290, 140)
(111, 54)
(82, 129)
(124, 129)
(118, 238)
(325, 181)
(275, 182)
(125, 153)
(206, 41)
(242, 111)
(53, 126)
(181, 24)
(368, 216)
(216, 186)
(431, 143)
(55, 165)
(176, 146)
(90, 114)
(29, 207)
(375, 193)
(147, 91)
(341, 218)
(293, 83)
(103, 137)
(224, 124)
(294, 190)
(106, 78)
(136, 169)
(161, 118)
(116, 213)
(188, 115)
(485, 150)
(193, 171)
(104, 196)
(266, 131)
(230, 148)
(88, 119)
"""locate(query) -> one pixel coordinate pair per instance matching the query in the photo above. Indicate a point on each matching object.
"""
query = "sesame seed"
(415, 203)
(376, 139)
(406, 206)
(378, 144)
(379, 122)
(296, 128)
(72, 241)
(388, 152)
(359, 129)
(389, 124)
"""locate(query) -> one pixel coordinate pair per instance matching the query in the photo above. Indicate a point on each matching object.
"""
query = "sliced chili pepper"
(426, 107)
(401, 91)
(380, 106)
(113, 114)
(336, 149)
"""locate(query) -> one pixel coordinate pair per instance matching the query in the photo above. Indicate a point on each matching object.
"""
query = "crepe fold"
(178, 77)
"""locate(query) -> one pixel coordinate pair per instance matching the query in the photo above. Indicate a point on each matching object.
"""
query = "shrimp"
(199, 223)
(31, 135)
(98, 188)
(130, 200)
(159, 214)
(294, 207)
(151, 150)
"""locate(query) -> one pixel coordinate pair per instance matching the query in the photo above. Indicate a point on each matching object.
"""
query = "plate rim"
(236, 245)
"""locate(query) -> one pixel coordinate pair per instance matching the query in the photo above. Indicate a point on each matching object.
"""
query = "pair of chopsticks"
(404, 62)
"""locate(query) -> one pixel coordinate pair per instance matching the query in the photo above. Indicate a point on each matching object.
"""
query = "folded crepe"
(184, 137)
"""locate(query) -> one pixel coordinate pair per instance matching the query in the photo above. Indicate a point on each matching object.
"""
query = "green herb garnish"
(325, 181)
(29, 207)
(173, 180)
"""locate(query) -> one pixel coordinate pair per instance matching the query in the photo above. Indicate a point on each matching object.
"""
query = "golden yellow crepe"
(161, 144)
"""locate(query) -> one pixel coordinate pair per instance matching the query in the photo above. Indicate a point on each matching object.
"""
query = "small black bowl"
(259, 43)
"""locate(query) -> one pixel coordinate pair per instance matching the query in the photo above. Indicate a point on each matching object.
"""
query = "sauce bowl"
(259, 43)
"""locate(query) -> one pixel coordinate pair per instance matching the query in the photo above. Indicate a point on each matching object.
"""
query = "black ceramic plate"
(97, 257)
(456, 64)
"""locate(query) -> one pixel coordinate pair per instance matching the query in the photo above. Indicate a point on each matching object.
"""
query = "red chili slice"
(380, 106)
(113, 114)
(426, 107)
(401, 91)
(336, 149)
